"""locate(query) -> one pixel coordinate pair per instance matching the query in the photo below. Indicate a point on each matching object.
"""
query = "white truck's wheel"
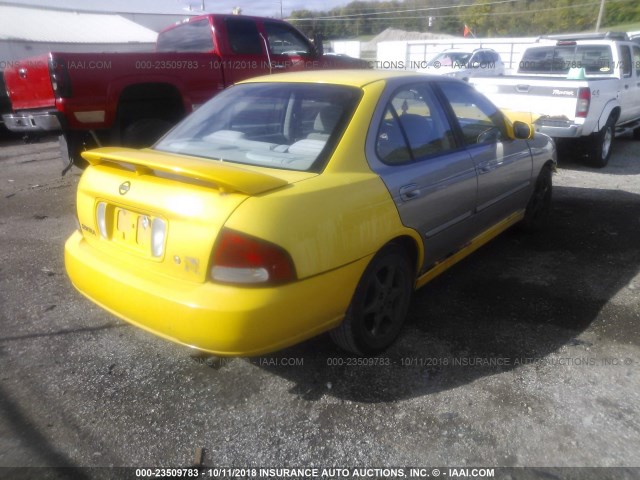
(600, 149)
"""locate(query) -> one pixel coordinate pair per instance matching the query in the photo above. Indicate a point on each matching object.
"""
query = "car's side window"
(187, 37)
(480, 121)
(625, 54)
(414, 127)
(284, 40)
(488, 57)
(636, 60)
(243, 36)
(477, 60)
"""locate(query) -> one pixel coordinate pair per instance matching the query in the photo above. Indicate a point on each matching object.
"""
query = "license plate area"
(132, 230)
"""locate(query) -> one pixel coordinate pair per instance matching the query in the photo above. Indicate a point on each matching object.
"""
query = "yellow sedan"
(300, 203)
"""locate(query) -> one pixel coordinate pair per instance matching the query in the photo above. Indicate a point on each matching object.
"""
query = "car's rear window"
(559, 59)
(187, 37)
(292, 126)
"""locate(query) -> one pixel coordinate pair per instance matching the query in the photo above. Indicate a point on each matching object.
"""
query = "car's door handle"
(409, 192)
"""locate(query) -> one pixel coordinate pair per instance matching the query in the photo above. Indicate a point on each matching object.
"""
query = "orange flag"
(467, 31)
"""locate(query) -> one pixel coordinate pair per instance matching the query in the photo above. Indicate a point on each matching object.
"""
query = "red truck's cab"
(95, 99)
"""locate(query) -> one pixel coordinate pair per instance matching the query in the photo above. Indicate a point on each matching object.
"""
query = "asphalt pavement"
(526, 354)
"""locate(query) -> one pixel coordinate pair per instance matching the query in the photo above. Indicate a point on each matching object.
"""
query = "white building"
(28, 31)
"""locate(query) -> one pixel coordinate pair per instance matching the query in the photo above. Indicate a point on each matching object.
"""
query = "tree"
(485, 17)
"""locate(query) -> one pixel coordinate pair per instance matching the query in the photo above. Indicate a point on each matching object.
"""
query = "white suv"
(464, 64)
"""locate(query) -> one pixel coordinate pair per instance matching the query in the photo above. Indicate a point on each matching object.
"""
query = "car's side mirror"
(521, 130)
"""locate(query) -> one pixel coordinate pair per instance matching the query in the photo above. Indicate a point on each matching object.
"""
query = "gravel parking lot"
(526, 354)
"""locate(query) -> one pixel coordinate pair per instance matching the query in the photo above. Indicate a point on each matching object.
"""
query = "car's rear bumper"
(220, 319)
(559, 129)
(33, 122)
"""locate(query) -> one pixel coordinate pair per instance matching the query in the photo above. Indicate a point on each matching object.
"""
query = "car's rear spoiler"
(227, 177)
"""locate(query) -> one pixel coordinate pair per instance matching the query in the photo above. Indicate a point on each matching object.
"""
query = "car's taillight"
(239, 258)
(59, 75)
(101, 217)
(584, 99)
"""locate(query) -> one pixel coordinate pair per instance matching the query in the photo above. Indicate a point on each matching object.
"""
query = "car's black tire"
(539, 205)
(636, 133)
(599, 149)
(379, 305)
(144, 132)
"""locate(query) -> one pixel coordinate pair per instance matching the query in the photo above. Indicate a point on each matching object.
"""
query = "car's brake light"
(584, 100)
(60, 81)
(240, 258)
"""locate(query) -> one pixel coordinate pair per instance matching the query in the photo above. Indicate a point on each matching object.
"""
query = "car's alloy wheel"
(379, 305)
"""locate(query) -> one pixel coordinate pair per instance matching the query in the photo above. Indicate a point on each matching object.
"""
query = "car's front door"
(288, 49)
(504, 165)
(432, 180)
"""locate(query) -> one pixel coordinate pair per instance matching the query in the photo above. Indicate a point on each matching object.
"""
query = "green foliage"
(622, 12)
(360, 18)
(530, 17)
(485, 17)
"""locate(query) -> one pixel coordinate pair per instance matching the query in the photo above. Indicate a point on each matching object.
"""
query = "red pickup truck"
(96, 99)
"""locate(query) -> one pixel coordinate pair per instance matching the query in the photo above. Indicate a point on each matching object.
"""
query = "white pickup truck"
(582, 88)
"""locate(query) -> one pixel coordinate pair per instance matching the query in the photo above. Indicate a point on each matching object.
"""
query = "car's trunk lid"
(131, 202)
(547, 97)
(28, 83)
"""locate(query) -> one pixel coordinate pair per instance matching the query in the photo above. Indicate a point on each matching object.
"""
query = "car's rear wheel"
(379, 306)
(539, 204)
(600, 147)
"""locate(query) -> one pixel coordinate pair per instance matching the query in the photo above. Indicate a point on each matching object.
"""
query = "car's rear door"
(504, 166)
(629, 83)
(431, 179)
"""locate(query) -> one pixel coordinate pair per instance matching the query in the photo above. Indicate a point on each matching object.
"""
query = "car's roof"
(466, 50)
(352, 78)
